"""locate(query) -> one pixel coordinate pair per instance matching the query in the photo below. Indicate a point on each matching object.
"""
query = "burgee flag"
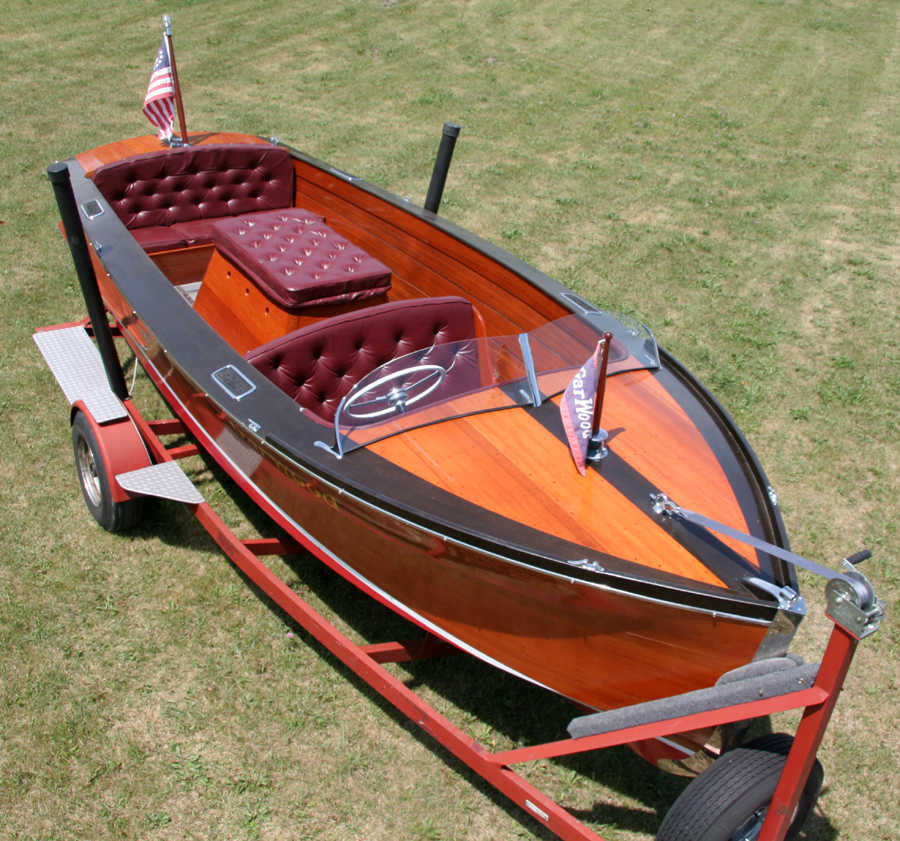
(159, 103)
(577, 409)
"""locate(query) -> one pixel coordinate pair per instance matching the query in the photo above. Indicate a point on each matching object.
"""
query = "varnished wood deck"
(511, 465)
(95, 158)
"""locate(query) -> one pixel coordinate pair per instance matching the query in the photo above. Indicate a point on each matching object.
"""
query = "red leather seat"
(319, 364)
(170, 198)
(297, 260)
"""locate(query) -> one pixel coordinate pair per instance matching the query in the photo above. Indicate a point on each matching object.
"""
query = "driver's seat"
(317, 365)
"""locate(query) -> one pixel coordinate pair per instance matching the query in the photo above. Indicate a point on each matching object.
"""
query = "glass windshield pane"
(566, 344)
(445, 381)
(468, 377)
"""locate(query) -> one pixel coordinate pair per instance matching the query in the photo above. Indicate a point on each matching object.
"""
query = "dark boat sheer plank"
(386, 487)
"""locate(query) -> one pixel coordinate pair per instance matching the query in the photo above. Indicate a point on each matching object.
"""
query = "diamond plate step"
(166, 480)
(75, 362)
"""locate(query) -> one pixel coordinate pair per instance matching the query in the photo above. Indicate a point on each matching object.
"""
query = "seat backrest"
(190, 183)
(319, 364)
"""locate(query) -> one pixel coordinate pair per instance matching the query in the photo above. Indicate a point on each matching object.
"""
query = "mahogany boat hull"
(601, 626)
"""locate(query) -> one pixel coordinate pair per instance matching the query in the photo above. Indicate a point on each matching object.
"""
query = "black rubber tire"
(94, 480)
(730, 794)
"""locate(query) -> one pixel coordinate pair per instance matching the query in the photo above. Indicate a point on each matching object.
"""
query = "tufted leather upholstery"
(170, 198)
(297, 260)
(319, 364)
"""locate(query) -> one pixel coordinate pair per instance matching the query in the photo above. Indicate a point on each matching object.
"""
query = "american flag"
(159, 103)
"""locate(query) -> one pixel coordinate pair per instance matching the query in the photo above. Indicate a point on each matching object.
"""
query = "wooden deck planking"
(485, 460)
(412, 243)
(95, 158)
(414, 270)
(663, 444)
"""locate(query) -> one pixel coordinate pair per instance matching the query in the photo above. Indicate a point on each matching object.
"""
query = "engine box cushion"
(297, 260)
(158, 192)
(317, 365)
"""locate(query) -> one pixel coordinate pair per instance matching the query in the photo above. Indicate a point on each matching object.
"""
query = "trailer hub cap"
(87, 472)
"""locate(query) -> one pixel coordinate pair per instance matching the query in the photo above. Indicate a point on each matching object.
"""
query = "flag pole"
(597, 448)
(167, 23)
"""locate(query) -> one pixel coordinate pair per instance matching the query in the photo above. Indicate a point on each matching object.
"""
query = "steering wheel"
(397, 397)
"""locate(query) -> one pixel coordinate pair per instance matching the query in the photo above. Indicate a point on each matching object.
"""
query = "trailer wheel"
(729, 800)
(95, 480)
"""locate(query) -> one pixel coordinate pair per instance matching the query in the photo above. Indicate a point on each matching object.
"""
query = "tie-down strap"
(663, 505)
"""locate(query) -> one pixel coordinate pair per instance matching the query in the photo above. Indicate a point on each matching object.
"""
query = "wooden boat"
(390, 416)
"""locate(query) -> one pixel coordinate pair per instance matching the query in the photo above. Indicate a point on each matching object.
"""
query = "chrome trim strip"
(345, 175)
(584, 306)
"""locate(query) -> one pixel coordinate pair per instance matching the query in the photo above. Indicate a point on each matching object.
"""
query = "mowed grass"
(726, 172)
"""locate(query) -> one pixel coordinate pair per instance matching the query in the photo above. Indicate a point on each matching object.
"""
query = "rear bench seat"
(317, 365)
(170, 199)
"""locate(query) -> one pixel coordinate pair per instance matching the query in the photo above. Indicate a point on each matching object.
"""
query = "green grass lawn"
(726, 172)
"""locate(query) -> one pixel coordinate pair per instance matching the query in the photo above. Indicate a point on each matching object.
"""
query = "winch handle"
(859, 557)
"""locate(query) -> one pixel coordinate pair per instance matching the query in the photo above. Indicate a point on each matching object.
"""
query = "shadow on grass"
(502, 709)
(817, 826)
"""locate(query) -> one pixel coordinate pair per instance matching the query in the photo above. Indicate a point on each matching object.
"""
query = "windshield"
(468, 377)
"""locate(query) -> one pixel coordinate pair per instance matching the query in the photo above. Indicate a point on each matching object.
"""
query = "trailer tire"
(94, 479)
(731, 797)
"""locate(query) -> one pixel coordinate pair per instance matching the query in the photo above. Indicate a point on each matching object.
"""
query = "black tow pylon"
(441, 167)
(84, 268)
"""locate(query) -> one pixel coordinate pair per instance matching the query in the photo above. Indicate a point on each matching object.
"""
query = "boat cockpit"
(357, 373)
(311, 309)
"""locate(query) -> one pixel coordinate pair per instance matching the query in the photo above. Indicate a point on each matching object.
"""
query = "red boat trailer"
(816, 698)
